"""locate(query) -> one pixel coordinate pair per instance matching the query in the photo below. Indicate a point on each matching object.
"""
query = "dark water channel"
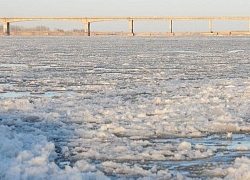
(227, 151)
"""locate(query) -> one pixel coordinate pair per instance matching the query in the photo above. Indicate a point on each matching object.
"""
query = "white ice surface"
(107, 107)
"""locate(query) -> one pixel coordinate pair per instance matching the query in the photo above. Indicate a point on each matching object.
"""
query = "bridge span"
(6, 21)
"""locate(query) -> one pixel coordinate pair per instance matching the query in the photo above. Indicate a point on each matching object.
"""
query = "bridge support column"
(249, 25)
(131, 27)
(6, 28)
(87, 28)
(210, 26)
(171, 26)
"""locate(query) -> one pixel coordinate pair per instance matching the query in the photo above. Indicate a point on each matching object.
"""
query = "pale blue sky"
(82, 8)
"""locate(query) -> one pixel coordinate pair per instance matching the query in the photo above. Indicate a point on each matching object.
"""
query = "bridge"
(88, 20)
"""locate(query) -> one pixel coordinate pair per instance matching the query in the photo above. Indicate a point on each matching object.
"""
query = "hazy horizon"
(78, 8)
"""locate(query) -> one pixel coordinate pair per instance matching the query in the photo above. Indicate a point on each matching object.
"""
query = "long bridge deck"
(6, 21)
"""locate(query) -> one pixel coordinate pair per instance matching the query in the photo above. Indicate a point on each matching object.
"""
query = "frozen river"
(124, 108)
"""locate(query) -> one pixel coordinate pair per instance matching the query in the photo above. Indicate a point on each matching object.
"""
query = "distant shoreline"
(68, 33)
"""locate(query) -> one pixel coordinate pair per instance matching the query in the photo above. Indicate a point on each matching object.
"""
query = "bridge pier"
(131, 27)
(87, 29)
(6, 28)
(249, 25)
(171, 26)
(210, 26)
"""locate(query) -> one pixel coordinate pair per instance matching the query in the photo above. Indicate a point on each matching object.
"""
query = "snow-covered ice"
(124, 107)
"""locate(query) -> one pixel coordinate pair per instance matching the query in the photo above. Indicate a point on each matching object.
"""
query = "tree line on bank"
(37, 28)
